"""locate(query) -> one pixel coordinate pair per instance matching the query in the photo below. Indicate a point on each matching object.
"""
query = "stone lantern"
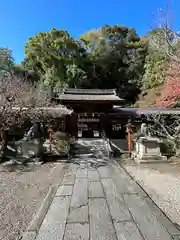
(129, 126)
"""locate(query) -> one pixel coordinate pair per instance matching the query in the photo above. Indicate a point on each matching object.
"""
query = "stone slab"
(78, 215)
(124, 183)
(101, 226)
(93, 175)
(68, 180)
(58, 212)
(96, 190)
(71, 169)
(67, 174)
(76, 231)
(53, 225)
(149, 160)
(162, 218)
(51, 232)
(117, 207)
(127, 231)
(147, 222)
(80, 193)
(41, 213)
(64, 190)
(104, 172)
(116, 167)
(81, 173)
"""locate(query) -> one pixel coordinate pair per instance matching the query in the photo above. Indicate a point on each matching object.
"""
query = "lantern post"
(51, 132)
(129, 133)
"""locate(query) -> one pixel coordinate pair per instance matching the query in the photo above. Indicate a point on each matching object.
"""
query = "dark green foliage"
(108, 57)
(154, 71)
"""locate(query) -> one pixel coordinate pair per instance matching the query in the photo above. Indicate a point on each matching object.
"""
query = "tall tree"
(155, 64)
(109, 57)
(117, 56)
(51, 54)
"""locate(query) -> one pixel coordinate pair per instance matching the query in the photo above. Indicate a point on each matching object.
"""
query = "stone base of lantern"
(148, 151)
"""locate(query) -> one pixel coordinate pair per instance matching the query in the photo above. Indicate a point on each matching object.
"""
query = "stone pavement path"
(103, 204)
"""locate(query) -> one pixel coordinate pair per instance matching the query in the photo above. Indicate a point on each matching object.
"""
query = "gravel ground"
(162, 183)
(21, 194)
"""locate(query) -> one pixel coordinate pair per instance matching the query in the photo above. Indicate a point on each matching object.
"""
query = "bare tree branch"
(165, 40)
(20, 101)
(166, 127)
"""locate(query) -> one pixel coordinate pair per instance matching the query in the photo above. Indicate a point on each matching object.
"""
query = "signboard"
(88, 120)
(116, 127)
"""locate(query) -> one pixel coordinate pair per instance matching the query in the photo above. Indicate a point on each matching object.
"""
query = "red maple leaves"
(171, 90)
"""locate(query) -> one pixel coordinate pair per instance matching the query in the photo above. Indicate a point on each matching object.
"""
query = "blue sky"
(21, 19)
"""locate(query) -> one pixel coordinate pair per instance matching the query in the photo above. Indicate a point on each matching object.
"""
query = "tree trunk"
(4, 139)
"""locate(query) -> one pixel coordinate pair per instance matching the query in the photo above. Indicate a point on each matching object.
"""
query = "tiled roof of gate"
(90, 91)
(57, 111)
(146, 111)
(89, 95)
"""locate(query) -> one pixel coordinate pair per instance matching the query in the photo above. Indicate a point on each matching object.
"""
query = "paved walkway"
(103, 204)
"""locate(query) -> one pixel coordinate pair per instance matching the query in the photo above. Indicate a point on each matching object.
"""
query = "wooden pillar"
(103, 123)
(66, 123)
(73, 123)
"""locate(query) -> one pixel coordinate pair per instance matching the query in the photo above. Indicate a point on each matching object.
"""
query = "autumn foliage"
(171, 90)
